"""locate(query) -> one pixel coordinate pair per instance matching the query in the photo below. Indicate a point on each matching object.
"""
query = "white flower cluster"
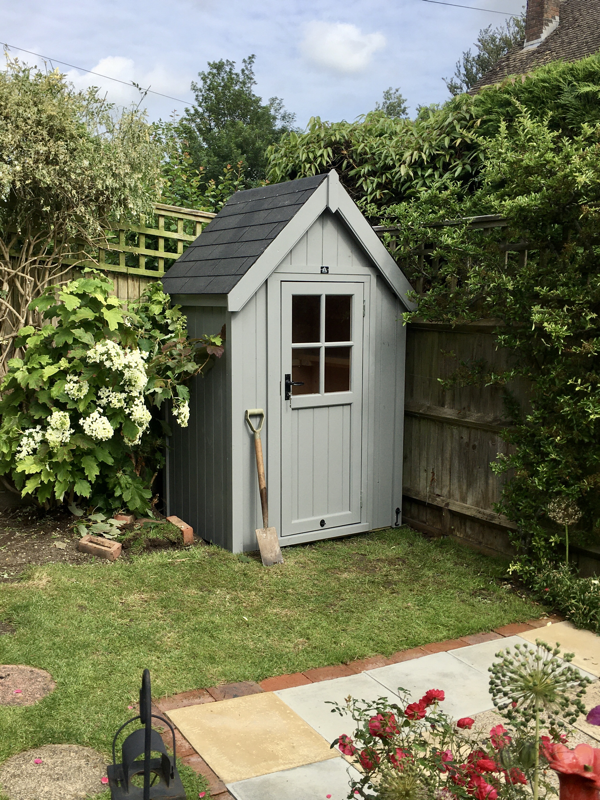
(59, 429)
(30, 442)
(181, 412)
(97, 426)
(76, 389)
(131, 365)
(106, 397)
(139, 414)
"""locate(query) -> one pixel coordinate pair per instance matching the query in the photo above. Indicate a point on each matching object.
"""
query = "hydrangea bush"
(81, 411)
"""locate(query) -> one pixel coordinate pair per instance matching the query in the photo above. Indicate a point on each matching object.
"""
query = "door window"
(321, 343)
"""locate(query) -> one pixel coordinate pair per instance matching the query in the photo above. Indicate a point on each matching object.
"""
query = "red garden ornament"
(578, 771)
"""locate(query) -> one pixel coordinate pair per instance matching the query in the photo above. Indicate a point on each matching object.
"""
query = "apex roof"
(234, 240)
(576, 36)
(254, 231)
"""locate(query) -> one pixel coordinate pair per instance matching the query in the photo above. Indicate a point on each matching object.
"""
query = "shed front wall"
(255, 353)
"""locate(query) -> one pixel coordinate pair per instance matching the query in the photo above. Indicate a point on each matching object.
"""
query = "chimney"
(540, 14)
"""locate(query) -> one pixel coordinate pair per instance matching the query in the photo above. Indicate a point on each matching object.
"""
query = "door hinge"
(364, 307)
(361, 499)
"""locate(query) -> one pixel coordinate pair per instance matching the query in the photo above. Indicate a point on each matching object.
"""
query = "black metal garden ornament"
(161, 779)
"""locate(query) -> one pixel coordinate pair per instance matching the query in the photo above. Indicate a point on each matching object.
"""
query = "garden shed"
(312, 306)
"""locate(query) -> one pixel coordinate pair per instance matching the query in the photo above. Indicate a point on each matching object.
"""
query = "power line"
(98, 74)
(473, 8)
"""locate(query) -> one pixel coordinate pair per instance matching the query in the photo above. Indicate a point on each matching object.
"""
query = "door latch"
(288, 386)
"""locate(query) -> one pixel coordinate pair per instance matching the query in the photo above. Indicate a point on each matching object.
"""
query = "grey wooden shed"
(308, 294)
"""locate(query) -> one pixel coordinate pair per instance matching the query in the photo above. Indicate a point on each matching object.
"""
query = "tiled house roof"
(576, 36)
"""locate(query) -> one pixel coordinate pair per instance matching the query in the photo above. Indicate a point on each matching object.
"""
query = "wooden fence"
(139, 254)
(453, 432)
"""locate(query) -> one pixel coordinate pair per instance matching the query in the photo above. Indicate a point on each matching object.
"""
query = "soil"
(53, 772)
(23, 686)
(30, 536)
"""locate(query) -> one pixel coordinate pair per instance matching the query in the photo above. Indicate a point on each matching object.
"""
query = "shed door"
(322, 340)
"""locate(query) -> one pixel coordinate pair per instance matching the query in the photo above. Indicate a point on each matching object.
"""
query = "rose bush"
(80, 412)
(413, 751)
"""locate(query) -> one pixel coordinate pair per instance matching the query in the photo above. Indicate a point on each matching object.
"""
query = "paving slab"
(482, 656)
(310, 702)
(249, 736)
(585, 644)
(466, 688)
(312, 782)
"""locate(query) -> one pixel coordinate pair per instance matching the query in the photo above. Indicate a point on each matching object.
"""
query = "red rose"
(484, 790)
(465, 722)
(368, 758)
(397, 758)
(345, 745)
(433, 696)
(383, 726)
(416, 710)
(516, 776)
(486, 765)
(499, 737)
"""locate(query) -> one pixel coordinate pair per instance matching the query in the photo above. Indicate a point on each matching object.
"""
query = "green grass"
(203, 616)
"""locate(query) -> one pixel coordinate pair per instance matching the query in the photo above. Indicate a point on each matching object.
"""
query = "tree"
(491, 44)
(229, 123)
(393, 104)
(69, 165)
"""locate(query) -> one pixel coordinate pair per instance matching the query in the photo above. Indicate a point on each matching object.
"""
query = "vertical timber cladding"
(453, 434)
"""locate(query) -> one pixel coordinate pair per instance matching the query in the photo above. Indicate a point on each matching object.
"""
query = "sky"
(326, 58)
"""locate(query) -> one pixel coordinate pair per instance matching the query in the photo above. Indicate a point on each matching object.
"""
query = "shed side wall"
(388, 404)
(248, 352)
(199, 470)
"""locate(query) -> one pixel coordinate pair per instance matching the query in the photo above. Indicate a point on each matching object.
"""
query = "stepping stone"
(249, 736)
(312, 782)
(482, 656)
(585, 644)
(466, 688)
(311, 702)
(23, 686)
(62, 772)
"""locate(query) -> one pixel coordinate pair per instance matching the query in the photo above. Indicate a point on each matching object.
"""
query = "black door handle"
(288, 385)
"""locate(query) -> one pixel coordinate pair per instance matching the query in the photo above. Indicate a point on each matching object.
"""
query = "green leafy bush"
(80, 410)
(559, 586)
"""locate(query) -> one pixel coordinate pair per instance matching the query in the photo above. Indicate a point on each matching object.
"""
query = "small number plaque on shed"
(312, 304)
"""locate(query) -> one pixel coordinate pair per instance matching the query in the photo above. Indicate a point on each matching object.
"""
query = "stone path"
(270, 741)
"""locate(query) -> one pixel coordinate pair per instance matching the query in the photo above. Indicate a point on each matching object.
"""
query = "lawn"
(202, 616)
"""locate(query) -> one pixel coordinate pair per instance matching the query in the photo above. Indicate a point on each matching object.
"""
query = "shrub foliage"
(81, 410)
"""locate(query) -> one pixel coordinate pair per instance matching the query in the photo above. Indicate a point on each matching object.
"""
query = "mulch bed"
(23, 686)
(53, 772)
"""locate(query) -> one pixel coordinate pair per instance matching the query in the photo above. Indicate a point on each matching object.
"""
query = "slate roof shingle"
(236, 238)
(577, 36)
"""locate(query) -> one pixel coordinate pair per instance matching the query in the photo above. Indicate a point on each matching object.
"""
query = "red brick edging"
(227, 691)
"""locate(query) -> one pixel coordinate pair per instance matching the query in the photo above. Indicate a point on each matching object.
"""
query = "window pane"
(306, 318)
(305, 368)
(337, 369)
(337, 318)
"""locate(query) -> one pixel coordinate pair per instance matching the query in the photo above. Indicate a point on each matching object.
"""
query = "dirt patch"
(53, 772)
(29, 536)
(23, 686)
(6, 628)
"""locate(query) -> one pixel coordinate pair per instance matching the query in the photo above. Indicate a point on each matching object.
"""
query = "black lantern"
(161, 779)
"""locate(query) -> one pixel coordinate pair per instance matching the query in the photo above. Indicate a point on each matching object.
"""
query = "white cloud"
(339, 46)
(124, 69)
